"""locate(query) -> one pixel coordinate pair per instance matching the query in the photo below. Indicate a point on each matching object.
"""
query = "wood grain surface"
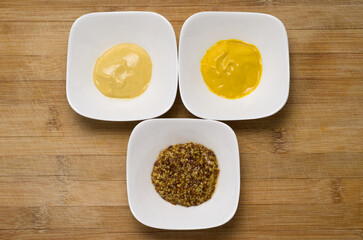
(63, 176)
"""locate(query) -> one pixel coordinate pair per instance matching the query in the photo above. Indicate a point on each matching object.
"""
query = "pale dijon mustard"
(123, 71)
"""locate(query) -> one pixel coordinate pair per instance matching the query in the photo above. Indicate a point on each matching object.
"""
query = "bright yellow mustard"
(232, 68)
(123, 71)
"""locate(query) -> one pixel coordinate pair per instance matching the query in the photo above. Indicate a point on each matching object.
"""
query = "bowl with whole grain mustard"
(121, 66)
(183, 174)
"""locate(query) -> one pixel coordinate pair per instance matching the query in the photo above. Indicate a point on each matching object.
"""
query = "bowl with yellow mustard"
(121, 66)
(233, 65)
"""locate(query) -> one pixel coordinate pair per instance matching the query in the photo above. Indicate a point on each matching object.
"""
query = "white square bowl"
(92, 34)
(152, 136)
(267, 33)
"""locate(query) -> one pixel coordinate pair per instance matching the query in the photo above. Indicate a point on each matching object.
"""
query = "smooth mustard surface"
(232, 68)
(123, 71)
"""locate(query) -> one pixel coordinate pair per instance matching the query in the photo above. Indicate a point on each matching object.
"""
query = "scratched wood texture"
(62, 176)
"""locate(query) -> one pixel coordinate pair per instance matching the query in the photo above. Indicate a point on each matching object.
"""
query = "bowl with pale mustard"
(233, 65)
(121, 66)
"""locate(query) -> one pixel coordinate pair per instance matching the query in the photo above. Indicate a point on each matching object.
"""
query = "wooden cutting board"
(62, 176)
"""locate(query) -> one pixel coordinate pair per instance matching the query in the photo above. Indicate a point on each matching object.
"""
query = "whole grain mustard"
(185, 174)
